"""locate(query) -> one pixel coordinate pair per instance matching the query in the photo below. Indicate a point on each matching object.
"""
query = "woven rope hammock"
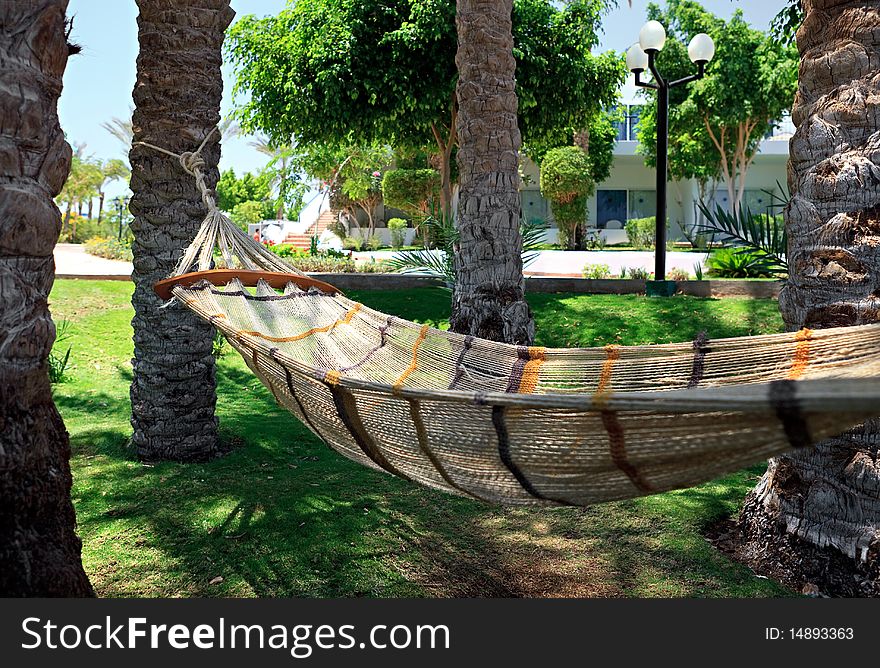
(514, 424)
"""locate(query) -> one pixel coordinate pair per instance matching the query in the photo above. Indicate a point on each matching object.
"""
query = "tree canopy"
(567, 181)
(233, 190)
(716, 124)
(383, 71)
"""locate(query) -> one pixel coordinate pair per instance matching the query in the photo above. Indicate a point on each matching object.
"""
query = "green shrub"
(373, 243)
(80, 229)
(567, 181)
(286, 250)
(678, 275)
(639, 274)
(738, 263)
(642, 232)
(112, 249)
(597, 271)
(375, 267)
(596, 242)
(327, 262)
(356, 243)
(397, 227)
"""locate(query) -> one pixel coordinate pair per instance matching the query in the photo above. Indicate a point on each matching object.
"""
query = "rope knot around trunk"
(192, 162)
(217, 230)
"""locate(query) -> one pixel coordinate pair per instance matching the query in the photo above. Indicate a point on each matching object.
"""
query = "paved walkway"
(72, 261)
(571, 263)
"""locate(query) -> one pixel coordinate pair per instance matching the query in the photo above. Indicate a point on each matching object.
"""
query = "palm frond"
(438, 260)
(753, 234)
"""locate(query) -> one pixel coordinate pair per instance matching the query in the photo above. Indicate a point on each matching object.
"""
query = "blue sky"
(99, 81)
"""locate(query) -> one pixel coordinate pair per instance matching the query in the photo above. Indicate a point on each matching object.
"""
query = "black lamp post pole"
(662, 87)
(662, 169)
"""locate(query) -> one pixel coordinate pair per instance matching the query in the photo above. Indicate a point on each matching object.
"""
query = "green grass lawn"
(282, 515)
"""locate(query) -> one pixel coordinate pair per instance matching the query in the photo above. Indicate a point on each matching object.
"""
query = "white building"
(630, 191)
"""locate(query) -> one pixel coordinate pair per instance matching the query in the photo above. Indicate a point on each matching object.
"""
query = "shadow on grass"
(284, 516)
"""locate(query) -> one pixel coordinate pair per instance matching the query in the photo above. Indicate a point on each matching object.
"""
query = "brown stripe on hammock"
(314, 330)
(459, 363)
(293, 393)
(346, 407)
(504, 452)
(499, 413)
(783, 398)
(383, 330)
(414, 364)
(258, 298)
(698, 369)
(802, 354)
(611, 422)
(617, 448)
(524, 374)
(422, 438)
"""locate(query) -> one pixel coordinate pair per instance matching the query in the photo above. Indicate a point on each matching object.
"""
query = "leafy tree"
(247, 213)
(412, 191)
(233, 190)
(567, 181)
(716, 124)
(351, 173)
(383, 71)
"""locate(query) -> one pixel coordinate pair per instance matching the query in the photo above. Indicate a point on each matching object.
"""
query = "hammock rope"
(518, 424)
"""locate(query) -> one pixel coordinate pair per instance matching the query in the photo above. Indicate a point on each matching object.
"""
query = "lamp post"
(121, 204)
(642, 56)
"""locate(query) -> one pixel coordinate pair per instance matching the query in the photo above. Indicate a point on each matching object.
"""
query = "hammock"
(515, 424)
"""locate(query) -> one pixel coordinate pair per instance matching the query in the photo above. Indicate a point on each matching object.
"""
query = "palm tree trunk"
(177, 97)
(40, 554)
(100, 207)
(830, 495)
(489, 297)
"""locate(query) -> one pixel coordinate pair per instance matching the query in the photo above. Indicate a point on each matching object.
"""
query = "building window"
(534, 206)
(756, 201)
(620, 126)
(611, 209)
(627, 128)
(642, 204)
(632, 121)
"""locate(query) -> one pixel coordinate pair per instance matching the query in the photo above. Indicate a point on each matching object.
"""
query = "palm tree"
(828, 496)
(39, 549)
(488, 300)
(177, 97)
(122, 130)
(279, 166)
(111, 170)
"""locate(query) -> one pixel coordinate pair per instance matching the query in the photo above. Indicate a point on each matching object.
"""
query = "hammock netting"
(524, 425)
(512, 424)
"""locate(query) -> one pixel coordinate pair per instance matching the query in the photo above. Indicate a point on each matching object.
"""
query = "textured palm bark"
(488, 301)
(830, 496)
(40, 554)
(177, 101)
